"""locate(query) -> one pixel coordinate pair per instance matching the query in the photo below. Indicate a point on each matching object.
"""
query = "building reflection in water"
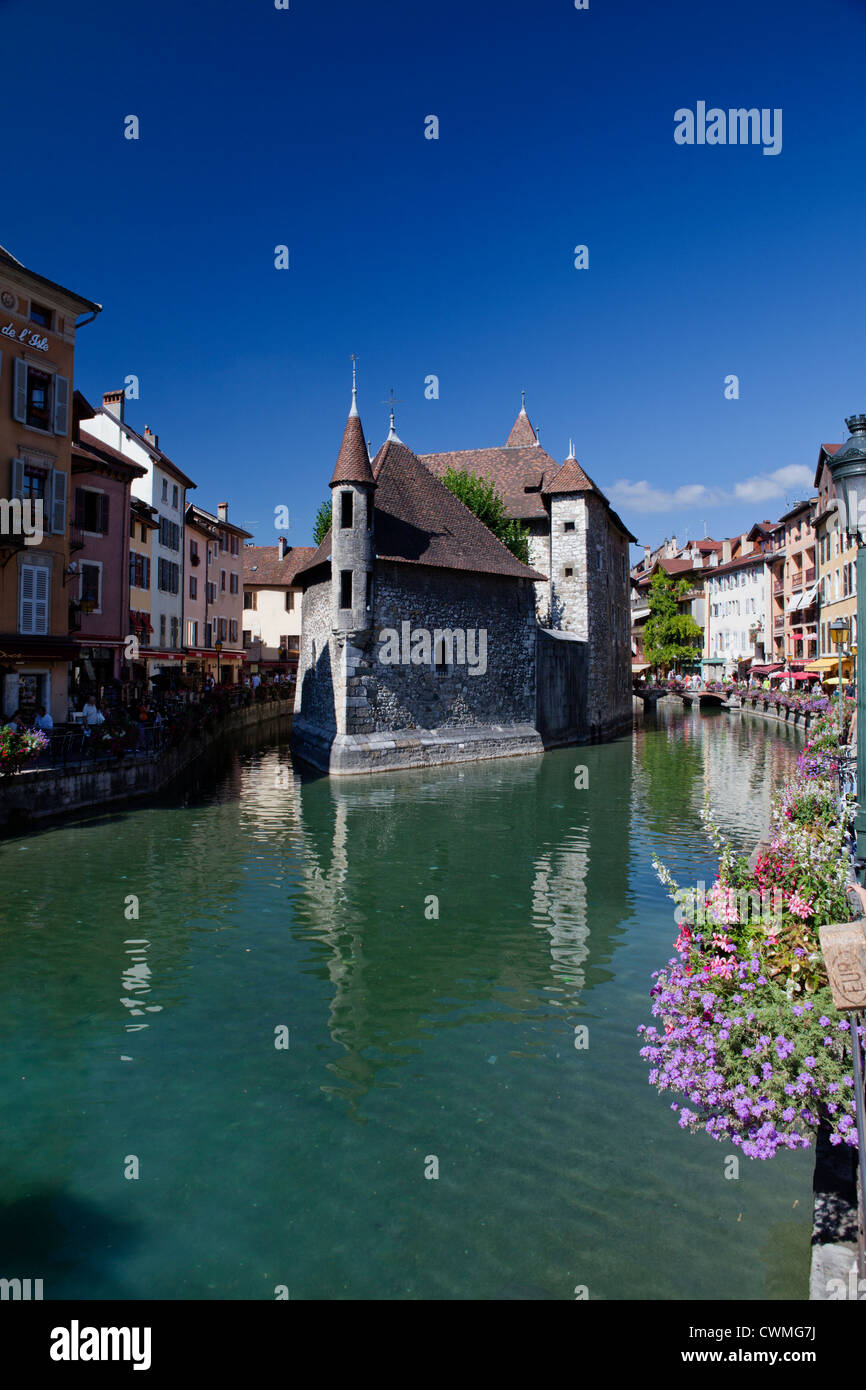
(512, 855)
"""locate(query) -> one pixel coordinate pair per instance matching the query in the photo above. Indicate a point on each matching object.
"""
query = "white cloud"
(794, 478)
(640, 496)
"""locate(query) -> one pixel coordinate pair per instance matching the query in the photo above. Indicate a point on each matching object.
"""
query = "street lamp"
(848, 469)
(218, 646)
(839, 630)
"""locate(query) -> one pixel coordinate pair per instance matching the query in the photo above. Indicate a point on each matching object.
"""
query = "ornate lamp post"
(848, 468)
(839, 630)
(218, 646)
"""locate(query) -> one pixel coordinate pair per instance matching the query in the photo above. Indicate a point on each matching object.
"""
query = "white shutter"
(17, 477)
(61, 405)
(27, 582)
(42, 599)
(19, 403)
(58, 508)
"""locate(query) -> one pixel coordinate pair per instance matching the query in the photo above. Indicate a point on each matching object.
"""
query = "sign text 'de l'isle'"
(26, 336)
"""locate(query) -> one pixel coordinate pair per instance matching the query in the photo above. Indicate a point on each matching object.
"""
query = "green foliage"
(481, 497)
(322, 523)
(670, 636)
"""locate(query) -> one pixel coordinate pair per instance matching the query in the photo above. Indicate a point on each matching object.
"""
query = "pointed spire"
(353, 460)
(571, 451)
(354, 410)
(522, 433)
(393, 436)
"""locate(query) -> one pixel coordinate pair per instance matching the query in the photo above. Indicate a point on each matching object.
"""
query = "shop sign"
(26, 336)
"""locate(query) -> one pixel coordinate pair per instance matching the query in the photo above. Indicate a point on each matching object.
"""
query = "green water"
(266, 900)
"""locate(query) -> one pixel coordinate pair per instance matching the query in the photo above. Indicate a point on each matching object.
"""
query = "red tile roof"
(418, 521)
(270, 571)
(353, 462)
(570, 478)
(522, 433)
(519, 474)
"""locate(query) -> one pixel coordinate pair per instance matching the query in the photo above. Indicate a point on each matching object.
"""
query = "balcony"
(76, 537)
(779, 588)
(796, 581)
(779, 624)
(810, 575)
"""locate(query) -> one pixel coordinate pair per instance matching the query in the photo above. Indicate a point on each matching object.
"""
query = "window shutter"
(146, 584)
(79, 506)
(41, 600)
(61, 405)
(58, 510)
(17, 477)
(103, 513)
(19, 404)
(25, 611)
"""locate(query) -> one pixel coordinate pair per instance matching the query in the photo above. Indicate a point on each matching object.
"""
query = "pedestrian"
(43, 720)
(16, 723)
(91, 712)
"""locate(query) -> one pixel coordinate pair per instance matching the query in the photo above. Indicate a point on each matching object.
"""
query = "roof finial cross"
(392, 401)
(523, 402)
(354, 410)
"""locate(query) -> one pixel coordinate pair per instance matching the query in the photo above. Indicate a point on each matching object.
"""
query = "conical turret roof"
(353, 461)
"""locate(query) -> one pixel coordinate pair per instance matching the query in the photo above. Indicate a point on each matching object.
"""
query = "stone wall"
(561, 682)
(568, 552)
(609, 696)
(315, 696)
(387, 697)
(354, 703)
(539, 559)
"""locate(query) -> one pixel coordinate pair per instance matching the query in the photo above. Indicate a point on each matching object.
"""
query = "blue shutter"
(61, 405)
(19, 397)
(17, 477)
(27, 592)
(42, 597)
(58, 507)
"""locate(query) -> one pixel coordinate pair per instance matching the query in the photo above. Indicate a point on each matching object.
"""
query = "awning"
(827, 663)
(765, 670)
(640, 665)
(809, 597)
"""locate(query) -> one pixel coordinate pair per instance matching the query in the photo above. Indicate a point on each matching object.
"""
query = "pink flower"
(799, 906)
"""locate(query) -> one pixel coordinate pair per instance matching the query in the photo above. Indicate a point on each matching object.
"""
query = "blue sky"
(305, 127)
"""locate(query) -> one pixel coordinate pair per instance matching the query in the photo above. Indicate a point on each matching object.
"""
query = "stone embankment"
(41, 793)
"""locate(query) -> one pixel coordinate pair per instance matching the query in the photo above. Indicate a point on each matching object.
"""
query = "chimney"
(746, 545)
(282, 548)
(112, 401)
(726, 551)
(646, 554)
(223, 511)
(151, 438)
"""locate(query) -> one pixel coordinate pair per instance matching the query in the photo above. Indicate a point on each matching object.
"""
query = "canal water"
(270, 901)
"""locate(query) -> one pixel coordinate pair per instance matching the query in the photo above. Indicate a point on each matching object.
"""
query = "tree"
(480, 496)
(670, 636)
(322, 523)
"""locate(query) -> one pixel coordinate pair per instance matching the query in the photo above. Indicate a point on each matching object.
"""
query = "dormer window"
(346, 509)
(40, 314)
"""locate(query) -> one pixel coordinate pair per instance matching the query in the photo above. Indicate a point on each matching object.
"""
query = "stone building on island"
(421, 641)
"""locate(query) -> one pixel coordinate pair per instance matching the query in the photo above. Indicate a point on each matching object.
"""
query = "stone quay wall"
(46, 792)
